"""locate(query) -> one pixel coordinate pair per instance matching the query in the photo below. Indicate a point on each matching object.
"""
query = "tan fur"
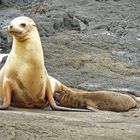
(102, 100)
(24, 81)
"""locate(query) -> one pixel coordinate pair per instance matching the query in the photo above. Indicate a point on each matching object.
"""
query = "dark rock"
(4, 44)
(46, 28)
(4, 59)
(73, 23)
(58, 25)
(101, 0)
(117, 28)
(16, 2)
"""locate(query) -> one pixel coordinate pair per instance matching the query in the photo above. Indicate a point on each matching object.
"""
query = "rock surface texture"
(88, 44)
(24, 124)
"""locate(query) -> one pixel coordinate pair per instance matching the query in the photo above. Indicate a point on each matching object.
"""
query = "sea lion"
(96, 100)
(24, 81)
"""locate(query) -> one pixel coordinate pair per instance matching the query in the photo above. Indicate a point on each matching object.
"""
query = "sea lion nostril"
(11, 26)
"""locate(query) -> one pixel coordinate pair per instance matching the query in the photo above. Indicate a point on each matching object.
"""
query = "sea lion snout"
(14, 29)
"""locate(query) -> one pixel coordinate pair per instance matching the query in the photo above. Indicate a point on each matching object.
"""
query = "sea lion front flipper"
(92, 106)
(92, 109)
(7, 94)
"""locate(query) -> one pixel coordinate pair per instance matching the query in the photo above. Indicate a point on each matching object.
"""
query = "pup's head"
(58, 95)
(20, 27)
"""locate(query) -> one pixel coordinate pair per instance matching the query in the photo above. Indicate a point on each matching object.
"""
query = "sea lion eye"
(23, 24)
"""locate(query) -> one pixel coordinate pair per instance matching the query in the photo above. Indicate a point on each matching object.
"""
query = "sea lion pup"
(102, 100)
(24, 81)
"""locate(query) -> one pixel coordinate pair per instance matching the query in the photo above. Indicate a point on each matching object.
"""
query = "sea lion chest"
(27, 76)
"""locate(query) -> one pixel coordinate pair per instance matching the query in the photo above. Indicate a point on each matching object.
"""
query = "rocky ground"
(92, 45)
(25, 124)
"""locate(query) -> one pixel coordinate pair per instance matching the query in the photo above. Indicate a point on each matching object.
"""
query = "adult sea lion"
(102, 100)
(24, 81)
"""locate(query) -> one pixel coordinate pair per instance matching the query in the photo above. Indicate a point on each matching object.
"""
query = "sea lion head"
(20, 27)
